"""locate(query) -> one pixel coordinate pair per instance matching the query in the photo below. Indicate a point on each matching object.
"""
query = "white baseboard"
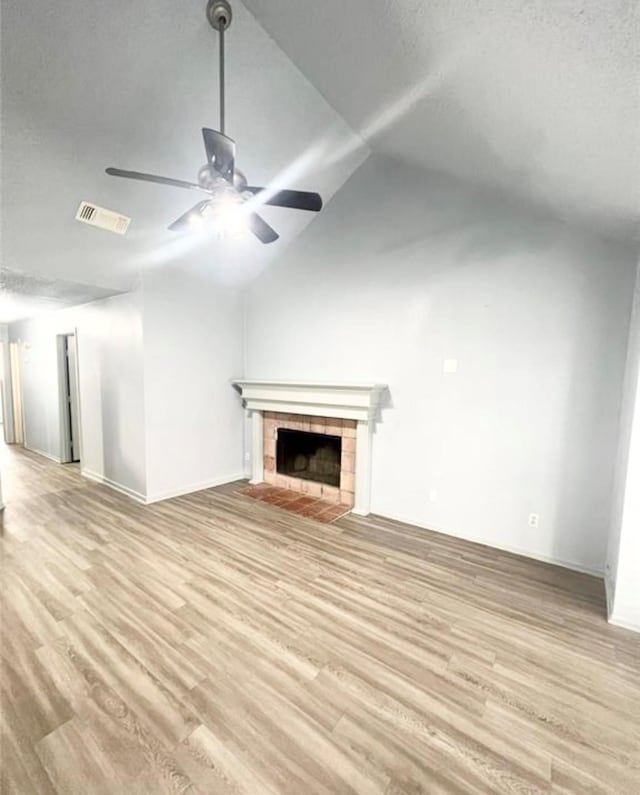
(206, 484)
(97, 478)
(159, 496)
(608, 589)
(42, 453)
(566, 564)
(613, 617)
(624, 624)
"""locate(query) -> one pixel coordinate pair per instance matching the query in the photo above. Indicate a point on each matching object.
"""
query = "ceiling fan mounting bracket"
(219, 14)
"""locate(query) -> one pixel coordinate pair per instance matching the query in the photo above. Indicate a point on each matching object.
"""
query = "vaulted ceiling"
(87, 85)
(538, 98)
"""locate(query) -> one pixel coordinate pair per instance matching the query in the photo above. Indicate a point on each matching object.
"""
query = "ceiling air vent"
(103, 218)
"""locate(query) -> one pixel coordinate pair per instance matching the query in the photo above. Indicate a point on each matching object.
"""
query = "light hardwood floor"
(213, 644)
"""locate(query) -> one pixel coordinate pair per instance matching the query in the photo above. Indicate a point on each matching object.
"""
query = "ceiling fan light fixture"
(229, 217)
(196, 222)
(230, 208)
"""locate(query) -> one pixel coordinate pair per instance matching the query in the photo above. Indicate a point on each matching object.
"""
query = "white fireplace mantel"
(344, 401)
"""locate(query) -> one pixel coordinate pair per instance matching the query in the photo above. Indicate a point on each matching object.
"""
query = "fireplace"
(342, 415)
(310, 456)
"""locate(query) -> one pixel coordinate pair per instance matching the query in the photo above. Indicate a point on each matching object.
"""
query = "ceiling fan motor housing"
(219, 14)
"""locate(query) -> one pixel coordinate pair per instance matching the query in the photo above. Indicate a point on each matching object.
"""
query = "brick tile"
(348, 445)
(330, 493)
(312, 511)
(286, 496)
(347, 498)
(347, 481)
(311, 488)
(318, 425)
(301, 502)
(289, 500)
(348, 462)
(333, 512)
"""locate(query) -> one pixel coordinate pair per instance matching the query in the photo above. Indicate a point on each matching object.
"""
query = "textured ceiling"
(23, 295)
(87, 85)
(539, 98)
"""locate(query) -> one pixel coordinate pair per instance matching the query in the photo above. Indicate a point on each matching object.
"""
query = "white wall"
(111, 366)
(623, 559)
(110, 363)
(193, 348)
(158, 414)
(405, 269)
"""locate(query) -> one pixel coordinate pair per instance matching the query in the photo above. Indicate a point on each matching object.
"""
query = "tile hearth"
(309, 507)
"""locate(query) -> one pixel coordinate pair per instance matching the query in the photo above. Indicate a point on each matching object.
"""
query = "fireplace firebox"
(310, 456)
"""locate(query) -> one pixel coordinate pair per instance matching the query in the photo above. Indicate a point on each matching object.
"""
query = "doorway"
(69, 400)
(16, 393)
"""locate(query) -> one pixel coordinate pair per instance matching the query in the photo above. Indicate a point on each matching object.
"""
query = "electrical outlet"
(534, 520)
(433, 495)
(247, 457)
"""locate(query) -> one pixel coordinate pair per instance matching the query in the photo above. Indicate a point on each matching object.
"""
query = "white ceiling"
(87, 85)
(23, 295)
(539, 98)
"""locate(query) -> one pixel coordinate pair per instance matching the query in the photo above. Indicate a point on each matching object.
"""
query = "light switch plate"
(450, 366)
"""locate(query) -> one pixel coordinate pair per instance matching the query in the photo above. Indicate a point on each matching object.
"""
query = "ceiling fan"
(229, 205)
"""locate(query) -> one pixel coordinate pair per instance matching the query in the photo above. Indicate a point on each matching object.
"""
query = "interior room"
(320, 397)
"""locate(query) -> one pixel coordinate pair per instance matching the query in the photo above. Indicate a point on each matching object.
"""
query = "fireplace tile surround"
(345, 410)
(332, 426)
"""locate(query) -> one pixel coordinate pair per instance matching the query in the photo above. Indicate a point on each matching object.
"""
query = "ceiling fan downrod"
(219, 16)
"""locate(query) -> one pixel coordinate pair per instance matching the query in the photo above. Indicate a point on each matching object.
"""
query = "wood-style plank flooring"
(212, 644)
